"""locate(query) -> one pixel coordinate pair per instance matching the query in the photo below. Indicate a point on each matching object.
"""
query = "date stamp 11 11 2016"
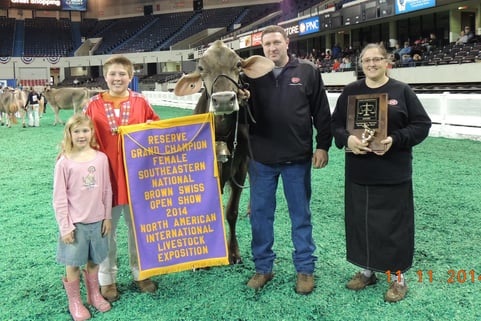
(452, 276)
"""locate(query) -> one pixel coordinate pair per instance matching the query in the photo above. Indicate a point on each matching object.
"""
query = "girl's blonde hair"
(76, 120)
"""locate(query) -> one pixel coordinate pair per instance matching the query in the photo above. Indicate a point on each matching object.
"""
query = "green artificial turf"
(447, 187)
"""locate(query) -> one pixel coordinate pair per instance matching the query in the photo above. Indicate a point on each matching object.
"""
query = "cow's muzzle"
(223, 102)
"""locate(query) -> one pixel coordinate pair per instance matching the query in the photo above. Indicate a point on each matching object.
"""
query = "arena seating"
(7, 27)
(48, 37)
(163, 27)
(454, 54)
(206, 19)
(159, 32)
(115, 33)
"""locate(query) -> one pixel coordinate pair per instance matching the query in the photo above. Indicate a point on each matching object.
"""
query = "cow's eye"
(200, 68)
(239, 65)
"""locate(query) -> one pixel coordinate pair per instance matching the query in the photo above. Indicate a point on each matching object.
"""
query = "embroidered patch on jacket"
(392, 102)
(295, 81)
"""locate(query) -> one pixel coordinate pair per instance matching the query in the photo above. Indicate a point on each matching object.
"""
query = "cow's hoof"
(235, 260)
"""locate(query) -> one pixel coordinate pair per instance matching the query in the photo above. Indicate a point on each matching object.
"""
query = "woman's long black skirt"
(380, 226)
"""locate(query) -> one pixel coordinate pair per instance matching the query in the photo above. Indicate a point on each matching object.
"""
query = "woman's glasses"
(375, 60)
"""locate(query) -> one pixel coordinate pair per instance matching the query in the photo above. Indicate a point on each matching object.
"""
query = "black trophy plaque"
(367, 119)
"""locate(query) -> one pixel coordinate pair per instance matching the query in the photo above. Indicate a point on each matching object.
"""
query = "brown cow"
(219, 69)
(67, 98)
(12, 102)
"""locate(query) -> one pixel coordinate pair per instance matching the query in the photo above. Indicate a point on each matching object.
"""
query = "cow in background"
(12, 103)
(218, 70)
(67, 98)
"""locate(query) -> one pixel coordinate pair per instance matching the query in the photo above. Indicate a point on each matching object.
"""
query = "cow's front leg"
(232, 212)
(57, 117)
(236, 183)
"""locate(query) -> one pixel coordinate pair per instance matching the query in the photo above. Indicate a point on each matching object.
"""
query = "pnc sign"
(308, 26)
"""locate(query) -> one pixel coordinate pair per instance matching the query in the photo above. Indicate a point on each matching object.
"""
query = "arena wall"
(453, 115)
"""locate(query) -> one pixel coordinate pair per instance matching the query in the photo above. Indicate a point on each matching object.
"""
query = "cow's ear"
(188, 85)
(257, 66)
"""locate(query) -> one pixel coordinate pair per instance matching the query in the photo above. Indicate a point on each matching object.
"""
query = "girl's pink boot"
(93, 292)
(78, 311)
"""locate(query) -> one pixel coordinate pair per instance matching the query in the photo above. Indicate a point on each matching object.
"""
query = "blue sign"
(74, 5)
(308, 26)
(403, 6)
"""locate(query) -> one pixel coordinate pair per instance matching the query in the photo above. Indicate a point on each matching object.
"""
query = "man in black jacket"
(286, 103)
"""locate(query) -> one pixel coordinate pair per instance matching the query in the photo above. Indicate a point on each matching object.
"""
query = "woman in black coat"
(379, 207)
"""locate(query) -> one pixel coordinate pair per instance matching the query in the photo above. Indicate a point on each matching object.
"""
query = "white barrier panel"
(453, 115)
(165, 98)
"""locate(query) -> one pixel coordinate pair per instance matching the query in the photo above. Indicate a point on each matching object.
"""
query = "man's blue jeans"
(296, 179)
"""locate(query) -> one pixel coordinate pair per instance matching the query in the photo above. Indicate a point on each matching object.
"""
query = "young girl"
(82, 199)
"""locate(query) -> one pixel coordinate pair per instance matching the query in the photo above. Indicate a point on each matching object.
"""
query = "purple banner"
(175, 196)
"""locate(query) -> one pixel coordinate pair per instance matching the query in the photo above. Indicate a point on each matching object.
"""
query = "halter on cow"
(218, 70)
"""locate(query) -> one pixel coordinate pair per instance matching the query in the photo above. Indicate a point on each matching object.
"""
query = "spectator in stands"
(463, 38)
(417, 60)
(108, 110)
(396, 53)
(328, 55)
(431, 43)
(405, 54)
(336, 66)
(378, 199)
(419, 41)
(346, 63)
(336, 51)
(417, 49)
(469, 33)
(348, 51)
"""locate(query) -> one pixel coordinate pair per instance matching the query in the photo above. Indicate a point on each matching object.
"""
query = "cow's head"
(218, 70)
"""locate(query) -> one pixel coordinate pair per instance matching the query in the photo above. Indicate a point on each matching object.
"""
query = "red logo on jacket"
(295, 80)
(392, 102)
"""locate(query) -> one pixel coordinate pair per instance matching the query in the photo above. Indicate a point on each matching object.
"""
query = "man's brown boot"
(259, 280)
(305, 283)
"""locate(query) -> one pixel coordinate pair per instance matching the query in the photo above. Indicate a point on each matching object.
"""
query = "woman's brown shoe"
(359, 281)
(396, 292)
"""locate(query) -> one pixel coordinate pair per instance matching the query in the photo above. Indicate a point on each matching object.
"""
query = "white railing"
(453, 115)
